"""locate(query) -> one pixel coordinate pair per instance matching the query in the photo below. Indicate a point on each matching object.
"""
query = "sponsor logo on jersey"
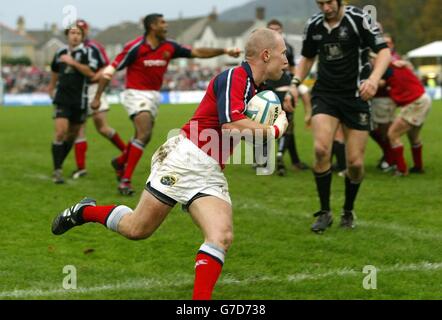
(343, 33)
(166, 55)
(333, 51)
(168, 180)
(155, 63)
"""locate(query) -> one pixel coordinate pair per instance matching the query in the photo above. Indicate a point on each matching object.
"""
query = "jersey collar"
(79, 47)
(327, 26)
(246, 67)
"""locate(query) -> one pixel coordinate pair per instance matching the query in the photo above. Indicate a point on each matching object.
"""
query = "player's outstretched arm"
(206, 53)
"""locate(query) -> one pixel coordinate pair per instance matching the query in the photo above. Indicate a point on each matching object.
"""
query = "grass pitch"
(274, 255)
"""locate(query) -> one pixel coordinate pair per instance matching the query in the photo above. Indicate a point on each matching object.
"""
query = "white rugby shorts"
(136, 101)
(383, 110)
(183, 172)
(416, 112)
(104, 105)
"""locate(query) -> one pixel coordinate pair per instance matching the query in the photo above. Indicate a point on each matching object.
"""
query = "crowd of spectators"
(24, 79)
(30, 79)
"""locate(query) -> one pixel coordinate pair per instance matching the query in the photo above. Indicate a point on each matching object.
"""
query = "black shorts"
(73, 113)
(354, 113)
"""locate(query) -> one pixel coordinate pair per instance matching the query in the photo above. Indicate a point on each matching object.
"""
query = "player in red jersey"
(186, 171)
(409, 94)
(146, 59)
(99, 115)
(383, 109)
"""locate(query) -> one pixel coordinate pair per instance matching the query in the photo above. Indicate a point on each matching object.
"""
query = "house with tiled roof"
(47, 43)
(16, 43)
(227, 34)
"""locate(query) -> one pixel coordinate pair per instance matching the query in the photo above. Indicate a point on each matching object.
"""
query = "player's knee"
(103, 130)
(224, 239)
(321, 151)
(137, 233)
(392, 135)
(355, 165)
(144, 137)
(59, 137)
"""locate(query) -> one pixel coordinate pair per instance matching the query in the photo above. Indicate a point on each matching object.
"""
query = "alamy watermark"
(259, 147)
(70, 16)
(370, 281)
(70, 280)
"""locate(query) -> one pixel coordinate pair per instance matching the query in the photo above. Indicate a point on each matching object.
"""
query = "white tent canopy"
(432, 50)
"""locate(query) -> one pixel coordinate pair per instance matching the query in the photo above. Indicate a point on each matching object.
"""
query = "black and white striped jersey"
(72, 84)
(343, 51)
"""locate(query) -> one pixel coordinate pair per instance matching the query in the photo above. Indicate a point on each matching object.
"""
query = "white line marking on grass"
(186, 280)
(403, 230)
(392, 227)
(38, 176)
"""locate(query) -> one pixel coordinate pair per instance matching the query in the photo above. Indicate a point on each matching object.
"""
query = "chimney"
(21, 25)
(260, 13)
(213, 16)
(54, 29)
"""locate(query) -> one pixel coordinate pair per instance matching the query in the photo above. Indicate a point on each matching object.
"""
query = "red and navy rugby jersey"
(225, 101)
(145, 65)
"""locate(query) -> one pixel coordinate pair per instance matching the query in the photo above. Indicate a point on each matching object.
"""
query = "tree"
(412, 22)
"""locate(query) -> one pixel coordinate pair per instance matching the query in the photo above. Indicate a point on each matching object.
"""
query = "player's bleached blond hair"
(259, 40)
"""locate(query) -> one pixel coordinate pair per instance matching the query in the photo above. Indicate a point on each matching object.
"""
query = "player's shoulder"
(171, 41)
(176, 44)
(355, 12)
(83, 49)
(229, 74)
(134, 42)
(315, 20)
(62, 50)
(94, 44)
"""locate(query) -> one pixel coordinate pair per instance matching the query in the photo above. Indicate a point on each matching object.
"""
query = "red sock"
(80, 154)
(399, 158)
(97, 214)
(417, 156)
(389, 154)
(118, 142)
(207, 270)
(376, 136)
(122, 159)
(135, 152)
(384, 144)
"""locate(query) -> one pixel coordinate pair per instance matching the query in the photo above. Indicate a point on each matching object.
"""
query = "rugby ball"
(264, 108)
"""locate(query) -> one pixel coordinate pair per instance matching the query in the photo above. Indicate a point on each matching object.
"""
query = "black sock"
(67, 146)
(323, 186)
(291, 146)
(339, 152)
(57, 154)
(351, 191)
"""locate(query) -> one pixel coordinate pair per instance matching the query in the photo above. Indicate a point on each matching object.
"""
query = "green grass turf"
(274, 255)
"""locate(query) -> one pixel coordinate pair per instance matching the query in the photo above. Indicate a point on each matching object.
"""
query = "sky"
(103, 13)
